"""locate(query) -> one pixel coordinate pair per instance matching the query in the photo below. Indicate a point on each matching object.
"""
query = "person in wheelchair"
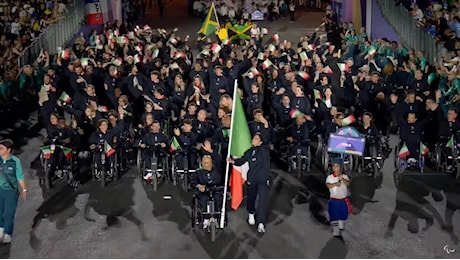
(59, 134)
(105, 135)
(411, 132)
(448, 128)
(333, 126)
(153, 142)
(187, 141)
(205, 177)
(370, 132)
(298, 137)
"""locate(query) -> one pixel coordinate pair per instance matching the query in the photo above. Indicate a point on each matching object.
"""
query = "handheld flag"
(266, 64)
(295, 113)
(108, 149)
(260, 56)
(102, 109)
(174, 145)
(46, 152)
(450, 143)
(264, 31)
(423, 149)
(216, 48)
(404, 152)
(343, 67)
(67, 153)
(304, 75)
(303, 56)
(328, 70)
(211, 23)
(276, 37)
(348, 120)
(65, 54)
(65, 97)
(317, 94)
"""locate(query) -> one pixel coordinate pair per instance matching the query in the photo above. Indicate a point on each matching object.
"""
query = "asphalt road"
(142, 224)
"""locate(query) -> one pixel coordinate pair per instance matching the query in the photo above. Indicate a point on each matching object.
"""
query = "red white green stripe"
(404, 152)
(108, 149)
(174, 145)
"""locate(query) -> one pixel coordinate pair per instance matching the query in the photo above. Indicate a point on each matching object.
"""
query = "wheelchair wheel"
(457, 169)
(194, 216)
(173, 171)
(396, 154)
(213, 228)
(325, 160)
(139, 162)
(308, 162)
(299, 166)
(154, 168)
(422, 163)
(320, 147)
(437, 153)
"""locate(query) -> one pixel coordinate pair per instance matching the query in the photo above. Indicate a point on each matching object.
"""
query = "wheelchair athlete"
(103, 134)
(411, 132)
(298, 136)
(370, 132)
(207, 176)
(153, 142)
(188, 142)
(58, 134)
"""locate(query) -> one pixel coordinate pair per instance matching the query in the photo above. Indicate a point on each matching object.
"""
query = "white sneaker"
(251, 220)
(206, 223)
(261, 228)
(148, 176)
(6, 239)
(341, 224)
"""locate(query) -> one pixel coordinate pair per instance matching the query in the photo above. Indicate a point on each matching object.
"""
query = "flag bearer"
(258, 181)
(339, 205)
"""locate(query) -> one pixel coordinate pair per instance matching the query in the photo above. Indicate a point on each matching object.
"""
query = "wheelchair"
(445, 156)
(125, 150)
(401, 164)
(159, 167)
(181, 176)
(299, 161)
(107, 170)
(197, 216)
(49, 160)
(373, 159)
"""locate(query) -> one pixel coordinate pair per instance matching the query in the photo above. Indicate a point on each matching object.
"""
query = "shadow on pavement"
(335, 248)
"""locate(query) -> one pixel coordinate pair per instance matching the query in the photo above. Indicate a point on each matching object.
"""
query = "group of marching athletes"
(172, 107)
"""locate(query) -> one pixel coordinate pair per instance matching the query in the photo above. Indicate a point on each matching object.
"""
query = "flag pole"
(215, 13)
(227, 167)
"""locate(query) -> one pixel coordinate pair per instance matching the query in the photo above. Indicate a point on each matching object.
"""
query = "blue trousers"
(8, 205)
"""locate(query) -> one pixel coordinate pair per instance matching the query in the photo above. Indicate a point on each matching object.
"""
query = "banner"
(93, 12)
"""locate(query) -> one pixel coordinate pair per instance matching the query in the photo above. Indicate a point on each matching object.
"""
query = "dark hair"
(260, 136)
(8, 143)
(188, 122)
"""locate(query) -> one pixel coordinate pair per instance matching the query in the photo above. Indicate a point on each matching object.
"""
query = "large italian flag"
(240, 142)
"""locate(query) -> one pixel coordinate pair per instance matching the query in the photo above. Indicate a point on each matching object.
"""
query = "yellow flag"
(222, 33)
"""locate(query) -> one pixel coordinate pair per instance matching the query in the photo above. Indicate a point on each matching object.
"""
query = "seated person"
(298, 136)
(410, 134)
(105, 138)
(153, 142)
(207, 176)
(187, 141)
(59, 134)
(369, 131)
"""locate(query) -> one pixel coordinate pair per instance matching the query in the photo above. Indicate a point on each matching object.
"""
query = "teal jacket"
(13, 169)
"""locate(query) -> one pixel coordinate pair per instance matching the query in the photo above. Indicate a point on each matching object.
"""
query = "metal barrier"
(57, 34)
(412, 36)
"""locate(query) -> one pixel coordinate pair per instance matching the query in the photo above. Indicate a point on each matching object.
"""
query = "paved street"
(142, 224)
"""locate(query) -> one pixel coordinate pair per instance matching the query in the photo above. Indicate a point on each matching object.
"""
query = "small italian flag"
(46, 152)
(173, 41)
(117, 32)
(118, 62)
(155, 53)
(276, 37)
(372, 51)
(423, 149)
(348, 120)
(131, 35)
(102, 109)
(110, 35)
(179, 55)
(204, 52)
(303, 56)
(317, 94)
(271, 48)
(304, 75)
(174, 145)
(266, 64)
(254, 71)
(122, 40)
(310, 47)
(216, 48)
(343, 67)
(108, 149)
(328, 70)
(65, 97)
(138, 48)
(450, 143)
(331, 48)
(264, 31)
(65, 54)
(404, 152)
(260, 56)
(295, 113)
(67, 153)
(137, 58)
(226, 41)
(84, 62)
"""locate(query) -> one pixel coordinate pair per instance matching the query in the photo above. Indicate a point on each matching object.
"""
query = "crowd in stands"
(440, 18)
